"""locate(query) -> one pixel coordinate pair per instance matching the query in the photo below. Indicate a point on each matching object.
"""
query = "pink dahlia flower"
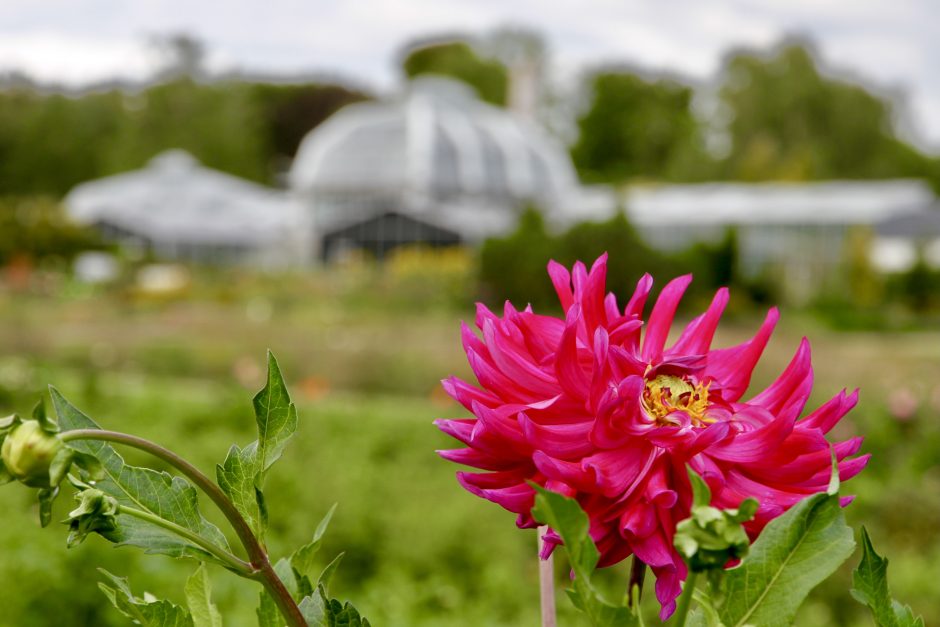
(583, 406)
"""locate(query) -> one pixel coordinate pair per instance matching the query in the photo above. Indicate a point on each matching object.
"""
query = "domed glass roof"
(437, 142)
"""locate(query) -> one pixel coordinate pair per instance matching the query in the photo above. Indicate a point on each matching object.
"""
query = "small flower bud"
(96, 512)
(711, 537)
(28, 451)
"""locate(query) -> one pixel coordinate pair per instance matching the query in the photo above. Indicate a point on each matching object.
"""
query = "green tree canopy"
(635, 127)
(458, 60)
(789, 121)
(51, 142)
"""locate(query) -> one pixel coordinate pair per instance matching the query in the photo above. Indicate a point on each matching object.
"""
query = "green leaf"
(302, 559)
(870, 587)
(267, 612)
(237, 477)
(327, 575)
(171, 498)
(321, 611)
(793, 554)
(46, 499)
(701, 493)
(567, 519)
(241, 475)
(149, 613)
(315, 609)
(276, 417)
(199, 599)
(60, 465)
(39, 415)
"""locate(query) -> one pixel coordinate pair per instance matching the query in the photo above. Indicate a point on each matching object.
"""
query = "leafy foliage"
(568, 520)
(199, 599)
(711, 537)
(793, 554)
(242, 128)
(170, 498)
(146, 611)
(241, 475)
(635, 128)
(458, 60)
(870, 587)
(823, 128)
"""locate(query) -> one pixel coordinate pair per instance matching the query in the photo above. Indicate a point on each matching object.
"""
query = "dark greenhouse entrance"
(384, 233)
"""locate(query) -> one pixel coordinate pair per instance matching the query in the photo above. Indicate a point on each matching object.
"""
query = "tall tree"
(790, 121)
(458, 59)
(635, 127)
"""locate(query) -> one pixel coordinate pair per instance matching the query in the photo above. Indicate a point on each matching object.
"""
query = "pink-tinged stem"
(546, 583)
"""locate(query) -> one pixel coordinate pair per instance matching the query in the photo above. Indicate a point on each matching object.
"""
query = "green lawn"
(363, 367)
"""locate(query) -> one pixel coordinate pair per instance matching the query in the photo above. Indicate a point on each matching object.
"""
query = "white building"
(179, 210)
(435, 166)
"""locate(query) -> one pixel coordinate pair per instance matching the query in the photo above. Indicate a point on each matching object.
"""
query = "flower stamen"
(668, 393)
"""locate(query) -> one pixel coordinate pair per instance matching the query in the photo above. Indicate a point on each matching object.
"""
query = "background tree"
(789, 121)
(458, 59)
(635, 127)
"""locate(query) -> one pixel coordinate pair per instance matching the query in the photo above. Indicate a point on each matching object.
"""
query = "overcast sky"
(892, 43)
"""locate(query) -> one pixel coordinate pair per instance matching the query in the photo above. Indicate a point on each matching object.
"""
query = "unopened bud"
(28, 451)
(96, 512)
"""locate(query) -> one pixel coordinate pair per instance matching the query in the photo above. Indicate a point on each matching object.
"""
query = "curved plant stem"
(261, 569)
(240, 566)
(546, 583)
(685, 599)
(637, 574)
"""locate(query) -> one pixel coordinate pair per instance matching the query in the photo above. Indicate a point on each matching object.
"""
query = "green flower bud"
(96, 512)
(28, 451)
(711, 537)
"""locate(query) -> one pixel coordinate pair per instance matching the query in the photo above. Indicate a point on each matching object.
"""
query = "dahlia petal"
(541, 333)
(517, 499)
(561, 279)
(732, 367)
(562, 441)
(638, 521)
(616, 470)
(592, 295)
(459, 428)
(640, 294)
(753, 445)
(697, 336)
(500, 479)
(826, 417)
(788, 394)
(571, 376)
(498, 426)
(516, 364)
(491, 378)
(574, 474)
(465, 394)
(611, 428)
(478, 459)
(661, 317)
(668, 588)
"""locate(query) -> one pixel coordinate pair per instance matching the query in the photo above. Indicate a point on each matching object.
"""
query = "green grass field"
(363, 367)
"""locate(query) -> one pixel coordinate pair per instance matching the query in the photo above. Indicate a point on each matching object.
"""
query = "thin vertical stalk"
(546, 583)
(637, 575)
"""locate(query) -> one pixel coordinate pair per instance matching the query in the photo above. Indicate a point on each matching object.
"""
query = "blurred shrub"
(35, 229)
(514, 267)
(435, 277)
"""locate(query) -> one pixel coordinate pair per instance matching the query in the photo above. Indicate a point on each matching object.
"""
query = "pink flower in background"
(585, 407)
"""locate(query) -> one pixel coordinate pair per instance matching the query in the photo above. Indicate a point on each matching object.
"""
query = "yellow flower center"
(667, 394)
